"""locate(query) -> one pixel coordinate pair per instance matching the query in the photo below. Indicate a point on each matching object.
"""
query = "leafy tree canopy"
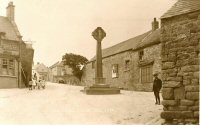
(75, 62)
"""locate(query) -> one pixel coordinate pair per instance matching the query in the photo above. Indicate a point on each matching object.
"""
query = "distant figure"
(34, 83)
(157, 85)
(43, 83)
(30, 84)
(39, 83)
(35, 78)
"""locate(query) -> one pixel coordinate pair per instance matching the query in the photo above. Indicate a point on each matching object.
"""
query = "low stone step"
(101, 90)
(100, 86)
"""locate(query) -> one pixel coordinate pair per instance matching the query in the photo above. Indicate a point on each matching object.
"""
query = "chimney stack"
(155, 24)
(11, 11)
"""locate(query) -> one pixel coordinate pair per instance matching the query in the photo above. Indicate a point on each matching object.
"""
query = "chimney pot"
(155, 24)
(10, 3)
(11, 11)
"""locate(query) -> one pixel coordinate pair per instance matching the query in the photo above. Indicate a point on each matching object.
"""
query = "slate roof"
(56, 64)
(40, 67)
(10, 28)
(151, 39)
(141, 41)
(182, 7)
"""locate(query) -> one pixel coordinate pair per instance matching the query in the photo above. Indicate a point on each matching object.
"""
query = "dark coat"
(157, 84)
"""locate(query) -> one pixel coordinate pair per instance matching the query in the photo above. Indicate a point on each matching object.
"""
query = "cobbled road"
(61, 104)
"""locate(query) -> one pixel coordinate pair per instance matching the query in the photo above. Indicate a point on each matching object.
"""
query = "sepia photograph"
(99, 62)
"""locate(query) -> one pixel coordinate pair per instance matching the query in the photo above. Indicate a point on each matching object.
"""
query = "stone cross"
(98, 35)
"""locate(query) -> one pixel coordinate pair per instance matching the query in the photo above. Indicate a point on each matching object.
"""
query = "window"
(146, 74)
(115, 73)
(5, 64)
(127, 64)
(8, 67)
(141, 54)
(11, 64)
(11, 67)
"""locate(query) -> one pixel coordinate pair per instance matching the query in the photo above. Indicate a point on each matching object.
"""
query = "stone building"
(41, 71)
(180, 36)
(15, 55)
(60, 73)
(131, 63)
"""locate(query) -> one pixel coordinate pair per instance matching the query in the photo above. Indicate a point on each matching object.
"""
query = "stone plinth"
(101, 89)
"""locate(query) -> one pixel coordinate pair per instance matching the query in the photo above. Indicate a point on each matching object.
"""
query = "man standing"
(30, 84)
(157, 85)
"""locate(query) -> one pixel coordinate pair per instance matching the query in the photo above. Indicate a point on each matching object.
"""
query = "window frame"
(5, 63)
(7, 66)
(147, 74)
(115, 70)
(141, 54)
(11, 64)
(127, 64)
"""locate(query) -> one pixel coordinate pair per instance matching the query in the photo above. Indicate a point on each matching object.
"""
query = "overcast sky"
(57, 27)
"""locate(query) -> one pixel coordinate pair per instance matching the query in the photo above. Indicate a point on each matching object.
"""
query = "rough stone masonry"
(180, 68)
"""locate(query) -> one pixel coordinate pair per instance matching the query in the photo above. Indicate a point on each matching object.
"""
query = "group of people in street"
(36, 82)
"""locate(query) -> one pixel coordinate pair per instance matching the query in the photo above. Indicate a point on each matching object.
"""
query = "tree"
(75, 62)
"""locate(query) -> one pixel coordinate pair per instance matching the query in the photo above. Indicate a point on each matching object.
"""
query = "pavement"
(61, 104)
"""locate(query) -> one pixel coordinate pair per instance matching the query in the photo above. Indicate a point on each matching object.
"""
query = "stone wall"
(27, 61)
(128, 77)
(9, 50)
(180, 67)
(8, 82)
(123, 75)
(151, 53)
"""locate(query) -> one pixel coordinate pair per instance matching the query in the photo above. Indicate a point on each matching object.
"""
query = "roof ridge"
(58, 63)
(126, 40)
(141, 40)
(182, 7)
(145, 38)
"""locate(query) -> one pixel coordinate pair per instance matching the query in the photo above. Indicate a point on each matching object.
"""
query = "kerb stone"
(196, 114)
(167, 93)
(177, 108)
(171, 115)
(171, 84)
(187, 114)
(194, 88)
(192, 95)
(179, 93)
(187, 102)
(169, 102)
(194, 108)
